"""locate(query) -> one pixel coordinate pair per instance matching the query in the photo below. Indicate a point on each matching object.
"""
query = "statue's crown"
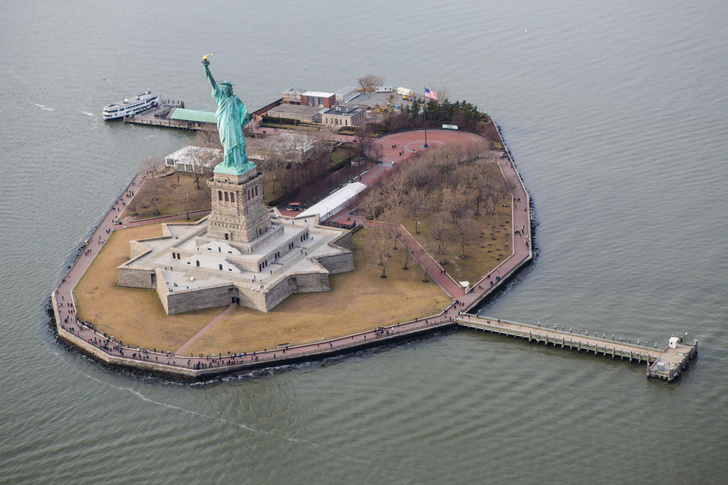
(226, 83)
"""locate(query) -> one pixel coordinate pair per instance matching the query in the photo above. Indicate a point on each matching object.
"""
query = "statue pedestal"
(238, 212)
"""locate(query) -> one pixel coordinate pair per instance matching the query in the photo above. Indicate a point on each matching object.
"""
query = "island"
(427, 219)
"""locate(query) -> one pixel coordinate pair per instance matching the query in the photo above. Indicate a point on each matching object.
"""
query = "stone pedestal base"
(238, 212)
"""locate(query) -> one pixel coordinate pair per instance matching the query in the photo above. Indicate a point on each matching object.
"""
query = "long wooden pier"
(665, 364)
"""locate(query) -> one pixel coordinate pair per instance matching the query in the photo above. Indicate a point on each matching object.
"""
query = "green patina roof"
(193, 115)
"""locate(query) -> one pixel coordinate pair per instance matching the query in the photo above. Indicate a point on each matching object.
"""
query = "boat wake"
(44, 107)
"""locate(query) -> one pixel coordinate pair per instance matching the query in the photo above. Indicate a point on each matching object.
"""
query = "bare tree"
(382, 246)
(152, 187)
(465, 231)
(395, 189)
(183, 198)
(417, 206)
(268, 162)
(439, 224)
(407, 257)
(207, 154)
(376, 151)
(208, 138)
(364, 140)
(398, 235)
(203, 163)
(370, 81)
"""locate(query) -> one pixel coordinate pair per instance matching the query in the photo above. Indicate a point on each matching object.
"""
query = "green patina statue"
(231, 115)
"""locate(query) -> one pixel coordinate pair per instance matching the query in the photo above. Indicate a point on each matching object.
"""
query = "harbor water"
(615, 113)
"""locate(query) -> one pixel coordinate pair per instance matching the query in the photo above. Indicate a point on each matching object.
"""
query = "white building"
(339, 116)
(346, 94)
(193, 158)
(334, 203)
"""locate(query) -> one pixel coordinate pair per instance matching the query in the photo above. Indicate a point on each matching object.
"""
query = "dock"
(172, 114)
(665, 364)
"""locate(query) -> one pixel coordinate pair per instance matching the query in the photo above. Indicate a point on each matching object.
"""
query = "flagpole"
(425, 146)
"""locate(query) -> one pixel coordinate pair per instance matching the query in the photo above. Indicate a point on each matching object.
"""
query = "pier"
(172, 114)
(665, 364)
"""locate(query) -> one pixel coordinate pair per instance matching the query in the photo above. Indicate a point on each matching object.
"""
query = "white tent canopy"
(192, 158)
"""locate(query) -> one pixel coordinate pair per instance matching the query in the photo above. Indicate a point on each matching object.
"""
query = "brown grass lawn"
(132, 315)
(360, 300)
(171, 194)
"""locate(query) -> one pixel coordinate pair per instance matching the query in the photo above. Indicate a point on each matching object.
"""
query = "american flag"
(430, 94)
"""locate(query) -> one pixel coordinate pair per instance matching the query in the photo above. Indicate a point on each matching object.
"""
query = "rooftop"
(343, 110)
(317, 94)
(295, 109)
(191, 153)
(193, 115)
(338, 198)
(185, 273)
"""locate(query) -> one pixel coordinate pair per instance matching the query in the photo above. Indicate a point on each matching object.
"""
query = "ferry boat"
(141, 102)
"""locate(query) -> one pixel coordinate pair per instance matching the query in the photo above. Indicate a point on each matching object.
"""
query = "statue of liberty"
(231, 115)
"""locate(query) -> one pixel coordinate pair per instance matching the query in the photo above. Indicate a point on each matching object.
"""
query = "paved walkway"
(426, 261)
(207, 327)
(71, 328)
(397, 148)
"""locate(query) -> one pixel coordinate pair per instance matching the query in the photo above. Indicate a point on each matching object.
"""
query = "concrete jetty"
(664, 363)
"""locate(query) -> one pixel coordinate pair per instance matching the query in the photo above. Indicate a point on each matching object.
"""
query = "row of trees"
(461, 113)
(289, 168)
(451, 191)
(445, 111)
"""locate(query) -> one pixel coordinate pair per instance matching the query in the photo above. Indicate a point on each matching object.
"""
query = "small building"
(346, 94)
(343, 116)
(292, 96)
(405, 91)
(318, 99)
(384, 89)
(304, 114)
(193, 158)
(194, 119)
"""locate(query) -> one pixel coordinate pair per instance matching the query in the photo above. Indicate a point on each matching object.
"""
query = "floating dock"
(665, 364)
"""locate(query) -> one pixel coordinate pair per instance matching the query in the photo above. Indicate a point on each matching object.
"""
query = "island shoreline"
(88, 341)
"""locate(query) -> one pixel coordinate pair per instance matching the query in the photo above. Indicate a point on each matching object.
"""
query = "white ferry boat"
(128, 107)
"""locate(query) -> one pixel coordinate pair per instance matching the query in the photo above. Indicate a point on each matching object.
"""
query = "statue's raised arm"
(231, 116)
(208, 74)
